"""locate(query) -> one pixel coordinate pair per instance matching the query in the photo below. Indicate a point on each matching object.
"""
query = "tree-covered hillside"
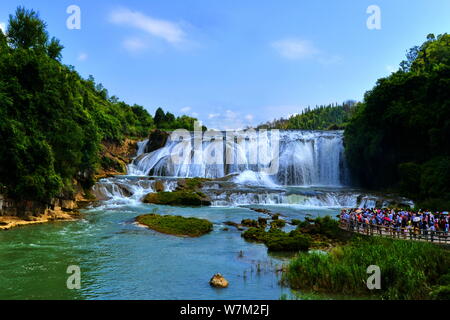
(400, 135)
(331, 117)
(52, 121)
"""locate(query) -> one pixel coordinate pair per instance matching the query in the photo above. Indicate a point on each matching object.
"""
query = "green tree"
(26, 30)
(54, 49)
(399, 135)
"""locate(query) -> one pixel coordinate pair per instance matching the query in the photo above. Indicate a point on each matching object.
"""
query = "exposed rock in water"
(234, 224)
(156, 140)
(218, 281)
(178, 198)
(158, 186)
(176, 225)
(187, 193)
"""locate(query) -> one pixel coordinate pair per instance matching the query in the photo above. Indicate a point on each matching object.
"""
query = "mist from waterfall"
(304, 158)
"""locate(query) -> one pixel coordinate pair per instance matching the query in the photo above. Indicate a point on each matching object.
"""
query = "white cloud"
(82, 56)
(185, 109)
(167, 30)
(229, 120)
(213, 115)
(295, 49)
(249, 117)
(298, 49)
(134, 44)
(3, 27)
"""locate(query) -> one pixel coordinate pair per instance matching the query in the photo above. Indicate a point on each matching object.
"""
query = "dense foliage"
(167, 121)
(52, 120)
(399, 135)
(331, 117)
(409, 270)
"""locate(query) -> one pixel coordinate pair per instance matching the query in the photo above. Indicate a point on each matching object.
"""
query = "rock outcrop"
(156, 140)
(218, 281)
(187, 193)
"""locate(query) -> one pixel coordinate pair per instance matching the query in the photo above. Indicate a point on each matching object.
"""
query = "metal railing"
(389, 231)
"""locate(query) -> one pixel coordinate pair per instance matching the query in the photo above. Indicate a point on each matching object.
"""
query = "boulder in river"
(158, 186)
(218, 281)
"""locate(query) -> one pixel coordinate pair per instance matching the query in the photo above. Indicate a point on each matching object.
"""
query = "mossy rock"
(277, 240)
(249, 223)
(262, 222)
(176, 225)
(178, 198)
(278, 223)
(289, 242)
(193, 184)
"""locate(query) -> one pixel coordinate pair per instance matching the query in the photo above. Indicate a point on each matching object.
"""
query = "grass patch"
(176, 225)
(409, 270)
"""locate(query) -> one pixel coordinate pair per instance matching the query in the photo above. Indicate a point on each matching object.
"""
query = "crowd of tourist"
(406, 222)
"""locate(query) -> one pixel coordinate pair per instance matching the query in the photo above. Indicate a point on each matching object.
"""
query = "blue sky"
(237, 63)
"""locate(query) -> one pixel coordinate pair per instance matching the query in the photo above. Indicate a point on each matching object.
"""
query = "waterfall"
(310, 172)
(304, 158)
(132, 169)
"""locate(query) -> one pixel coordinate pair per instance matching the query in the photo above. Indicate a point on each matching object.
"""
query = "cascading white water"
(132, 169)
(305, 158)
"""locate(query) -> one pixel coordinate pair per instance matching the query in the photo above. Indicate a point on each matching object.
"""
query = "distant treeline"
(52, 121)
(330, 117)
(399, 136)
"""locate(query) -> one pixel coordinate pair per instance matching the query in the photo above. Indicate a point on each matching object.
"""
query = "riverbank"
(9, 222)
(18, 213)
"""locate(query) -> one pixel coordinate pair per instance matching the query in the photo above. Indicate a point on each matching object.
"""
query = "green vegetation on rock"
(277, 240)
(178, 198)
(187, 193)
(322, 232)
(176, 225)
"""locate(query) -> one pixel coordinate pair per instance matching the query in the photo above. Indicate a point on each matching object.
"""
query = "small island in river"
(176, 225)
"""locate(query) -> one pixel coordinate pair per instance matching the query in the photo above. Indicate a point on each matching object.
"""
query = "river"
(119, 259)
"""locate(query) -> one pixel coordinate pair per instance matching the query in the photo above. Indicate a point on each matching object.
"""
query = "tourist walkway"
(395, 233)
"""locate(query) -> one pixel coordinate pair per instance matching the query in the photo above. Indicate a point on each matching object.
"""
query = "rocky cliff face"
(114, 158)
(156, 140)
